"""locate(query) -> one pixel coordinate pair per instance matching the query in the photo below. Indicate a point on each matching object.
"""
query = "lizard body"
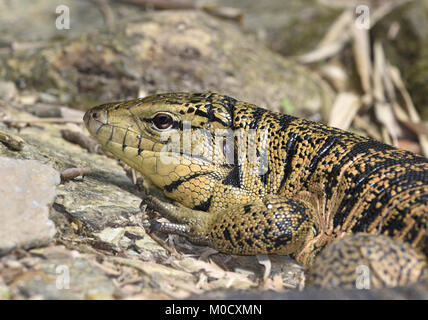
(249, 181)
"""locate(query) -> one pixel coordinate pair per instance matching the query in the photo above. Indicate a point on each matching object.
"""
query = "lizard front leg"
(184, 221)
(272, 225)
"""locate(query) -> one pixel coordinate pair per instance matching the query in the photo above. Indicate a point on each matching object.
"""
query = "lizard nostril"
(95, 115)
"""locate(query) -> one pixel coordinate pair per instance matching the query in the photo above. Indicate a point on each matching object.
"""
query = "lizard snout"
(94, 119)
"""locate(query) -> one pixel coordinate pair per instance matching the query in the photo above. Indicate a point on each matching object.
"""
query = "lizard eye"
(162, 121)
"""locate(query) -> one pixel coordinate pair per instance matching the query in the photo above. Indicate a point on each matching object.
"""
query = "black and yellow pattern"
(318, 183)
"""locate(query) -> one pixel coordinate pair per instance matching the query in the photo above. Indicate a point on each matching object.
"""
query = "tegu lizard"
(249, 181)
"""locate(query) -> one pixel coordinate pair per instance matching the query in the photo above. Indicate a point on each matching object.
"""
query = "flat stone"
(89, 202)
(27, 189)
(69, 278)
(111, 236)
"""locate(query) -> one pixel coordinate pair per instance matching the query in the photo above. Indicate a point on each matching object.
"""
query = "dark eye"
(162, 121)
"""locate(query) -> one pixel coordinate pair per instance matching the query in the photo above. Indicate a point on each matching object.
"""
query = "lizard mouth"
(125, 142)
(116, 135)
(122, 138)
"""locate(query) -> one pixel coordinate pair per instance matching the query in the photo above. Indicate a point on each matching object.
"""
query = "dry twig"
(71, 173)
(78, 138)
(11, 141)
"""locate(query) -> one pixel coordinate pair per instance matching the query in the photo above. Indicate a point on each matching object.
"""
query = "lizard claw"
(155, 226)
(147, 200)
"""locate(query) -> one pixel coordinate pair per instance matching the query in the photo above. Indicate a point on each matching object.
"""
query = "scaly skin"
(316, 185)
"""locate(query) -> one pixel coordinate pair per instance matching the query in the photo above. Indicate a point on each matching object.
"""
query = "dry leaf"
(264, 260)
(361, 48)
(344, 110)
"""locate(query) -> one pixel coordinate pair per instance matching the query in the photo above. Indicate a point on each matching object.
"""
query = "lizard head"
(167, 137)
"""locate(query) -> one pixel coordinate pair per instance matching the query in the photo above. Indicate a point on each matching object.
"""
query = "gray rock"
(7, 90)
(69, 278)
(27, 189)
(89, 202)
(111, 236)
